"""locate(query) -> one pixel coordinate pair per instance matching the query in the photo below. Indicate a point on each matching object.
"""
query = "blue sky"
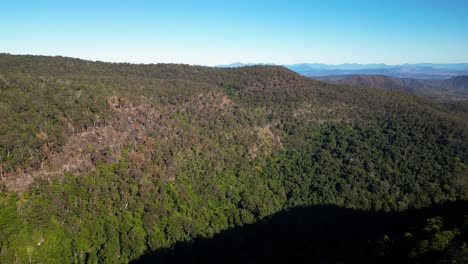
(224, 31)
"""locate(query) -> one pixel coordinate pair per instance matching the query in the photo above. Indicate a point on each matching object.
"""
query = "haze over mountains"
(418, 70)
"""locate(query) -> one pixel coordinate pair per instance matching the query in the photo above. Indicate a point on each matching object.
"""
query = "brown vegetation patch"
(267, 141)
(320, 113)
(134, 124)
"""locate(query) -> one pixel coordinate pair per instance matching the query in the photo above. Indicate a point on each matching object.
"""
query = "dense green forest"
(104, 162)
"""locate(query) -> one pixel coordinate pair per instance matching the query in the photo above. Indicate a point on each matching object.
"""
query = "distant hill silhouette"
(320, 234)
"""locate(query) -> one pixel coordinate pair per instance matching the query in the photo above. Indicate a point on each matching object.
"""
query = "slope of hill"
(446, 89)
(102, 162)
(373, 81)
(459, 83)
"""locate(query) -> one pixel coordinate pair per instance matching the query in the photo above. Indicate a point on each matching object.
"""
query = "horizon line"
(227, 65)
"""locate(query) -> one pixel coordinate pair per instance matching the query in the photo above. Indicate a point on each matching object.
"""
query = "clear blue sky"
(225, 31)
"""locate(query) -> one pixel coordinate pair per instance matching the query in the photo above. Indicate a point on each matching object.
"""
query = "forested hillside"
(104, 162)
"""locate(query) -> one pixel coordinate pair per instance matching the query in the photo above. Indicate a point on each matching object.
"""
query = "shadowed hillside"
(328, 234)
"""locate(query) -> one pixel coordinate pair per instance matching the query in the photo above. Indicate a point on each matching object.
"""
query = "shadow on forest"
(318, 234)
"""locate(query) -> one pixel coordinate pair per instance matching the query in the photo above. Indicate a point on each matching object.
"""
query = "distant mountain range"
(455, 88)
(418, 70)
